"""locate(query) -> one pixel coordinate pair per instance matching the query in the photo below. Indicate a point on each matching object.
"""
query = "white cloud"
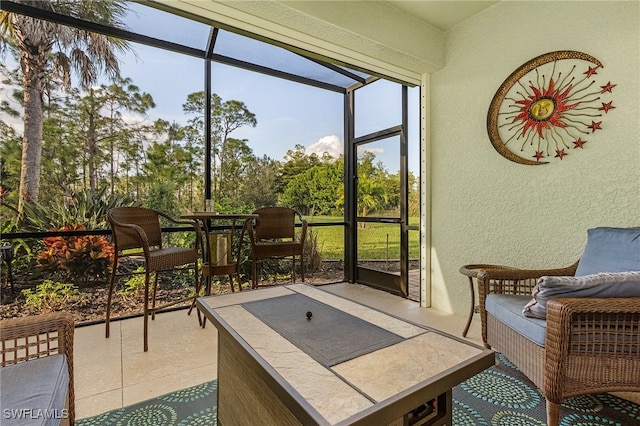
(330, 144)
(375, 151)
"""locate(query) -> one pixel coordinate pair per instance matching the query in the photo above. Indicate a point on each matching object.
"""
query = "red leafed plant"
(82, 257)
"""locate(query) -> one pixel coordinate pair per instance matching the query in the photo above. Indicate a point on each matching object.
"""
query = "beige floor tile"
(169, 383)
(176, 342)
(98, 404)
(97, 360)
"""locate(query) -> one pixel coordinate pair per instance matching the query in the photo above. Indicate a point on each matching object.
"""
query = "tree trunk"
(92, 153)
(31, 141)
(34, 40)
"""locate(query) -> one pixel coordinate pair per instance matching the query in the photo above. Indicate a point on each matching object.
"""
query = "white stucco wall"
(486, 209)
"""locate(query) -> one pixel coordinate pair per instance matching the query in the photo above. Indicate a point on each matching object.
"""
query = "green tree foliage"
(372, 185)
(226, 117)
(80, 208)
(259, 188)
(314, 191)
(237, 156)
(296, 162)
(162, 197)
(48, 49)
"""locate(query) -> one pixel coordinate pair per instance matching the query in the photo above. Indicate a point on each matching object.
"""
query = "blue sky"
(287, 113)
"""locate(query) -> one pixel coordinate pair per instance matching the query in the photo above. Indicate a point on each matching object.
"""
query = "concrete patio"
(115, 372)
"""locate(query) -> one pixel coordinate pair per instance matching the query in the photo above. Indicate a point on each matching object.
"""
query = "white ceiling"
(442, 14)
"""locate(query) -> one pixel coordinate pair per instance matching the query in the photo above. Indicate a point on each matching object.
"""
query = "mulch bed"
(91, 306)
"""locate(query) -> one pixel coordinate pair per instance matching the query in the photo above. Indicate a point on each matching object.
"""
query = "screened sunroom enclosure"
(379, 129)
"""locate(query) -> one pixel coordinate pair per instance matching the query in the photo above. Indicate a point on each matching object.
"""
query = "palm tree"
(48, 49)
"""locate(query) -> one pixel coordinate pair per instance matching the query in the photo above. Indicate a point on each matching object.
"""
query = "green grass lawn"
(376, 241)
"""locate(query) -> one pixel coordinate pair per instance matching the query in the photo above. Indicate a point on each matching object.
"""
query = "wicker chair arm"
(248, 226)
(591, 333)
(508, 273)
(566, 307)
(194, 223)
(507, 280)
(176, 221)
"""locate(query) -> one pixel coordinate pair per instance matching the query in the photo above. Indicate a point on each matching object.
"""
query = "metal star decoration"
(547, 104)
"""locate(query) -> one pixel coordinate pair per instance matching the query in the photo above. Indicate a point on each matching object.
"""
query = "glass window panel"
(378, 172)
(378, 106)
(329, 242)
(288, 115)
(166, 26)
(180, 76)
(254, 51)
(379, 246)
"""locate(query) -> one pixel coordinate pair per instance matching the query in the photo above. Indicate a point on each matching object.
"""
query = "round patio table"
(213, 267)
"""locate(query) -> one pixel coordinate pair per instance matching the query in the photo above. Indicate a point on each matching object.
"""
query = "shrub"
(52, 296)
(77, 257)
(134, 285)
(312, 252)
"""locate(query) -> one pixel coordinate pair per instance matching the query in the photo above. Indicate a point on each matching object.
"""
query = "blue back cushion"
(610, 250)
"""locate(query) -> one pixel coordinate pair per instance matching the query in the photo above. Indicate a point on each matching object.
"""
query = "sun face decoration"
(541, 112)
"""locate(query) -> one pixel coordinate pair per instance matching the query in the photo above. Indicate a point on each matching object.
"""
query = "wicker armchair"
(30, 338)
(591, 345)
(137, 233)
(273, 236)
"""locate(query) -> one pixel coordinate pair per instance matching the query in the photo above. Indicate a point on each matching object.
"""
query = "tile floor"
(115, 372)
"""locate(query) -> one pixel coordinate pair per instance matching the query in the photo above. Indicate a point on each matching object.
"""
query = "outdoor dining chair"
(273, 236)
(137, 234)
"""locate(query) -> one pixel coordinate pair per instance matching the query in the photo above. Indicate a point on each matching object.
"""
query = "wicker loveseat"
(589, 341)
(37, 370)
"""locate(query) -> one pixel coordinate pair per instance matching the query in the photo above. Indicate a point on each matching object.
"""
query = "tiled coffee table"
(298, 355)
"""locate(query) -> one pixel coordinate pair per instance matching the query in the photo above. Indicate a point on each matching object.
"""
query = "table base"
(246, 397)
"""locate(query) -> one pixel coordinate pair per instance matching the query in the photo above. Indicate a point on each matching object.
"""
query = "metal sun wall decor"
(548, 107)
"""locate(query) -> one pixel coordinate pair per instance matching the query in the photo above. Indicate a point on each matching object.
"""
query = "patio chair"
(273, 236)
(137, 234)
(587, 339)
(37, 366)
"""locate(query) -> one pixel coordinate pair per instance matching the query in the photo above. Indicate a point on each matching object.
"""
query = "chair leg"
(198, 282)
(111, 286)
(153, 300)
(302, 266)
(239, 282)
(146, 310)
(293, 269)
(254, 273)
(553, 413)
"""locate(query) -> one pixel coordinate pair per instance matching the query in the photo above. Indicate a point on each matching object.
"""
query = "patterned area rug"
(191, 406)
(503, 396)
(499, 396)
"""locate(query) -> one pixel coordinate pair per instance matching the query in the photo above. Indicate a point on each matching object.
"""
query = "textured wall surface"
(486, 209)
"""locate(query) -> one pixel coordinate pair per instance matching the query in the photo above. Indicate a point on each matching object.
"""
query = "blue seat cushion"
(508, 309)
(610, 250)
(34, 392)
